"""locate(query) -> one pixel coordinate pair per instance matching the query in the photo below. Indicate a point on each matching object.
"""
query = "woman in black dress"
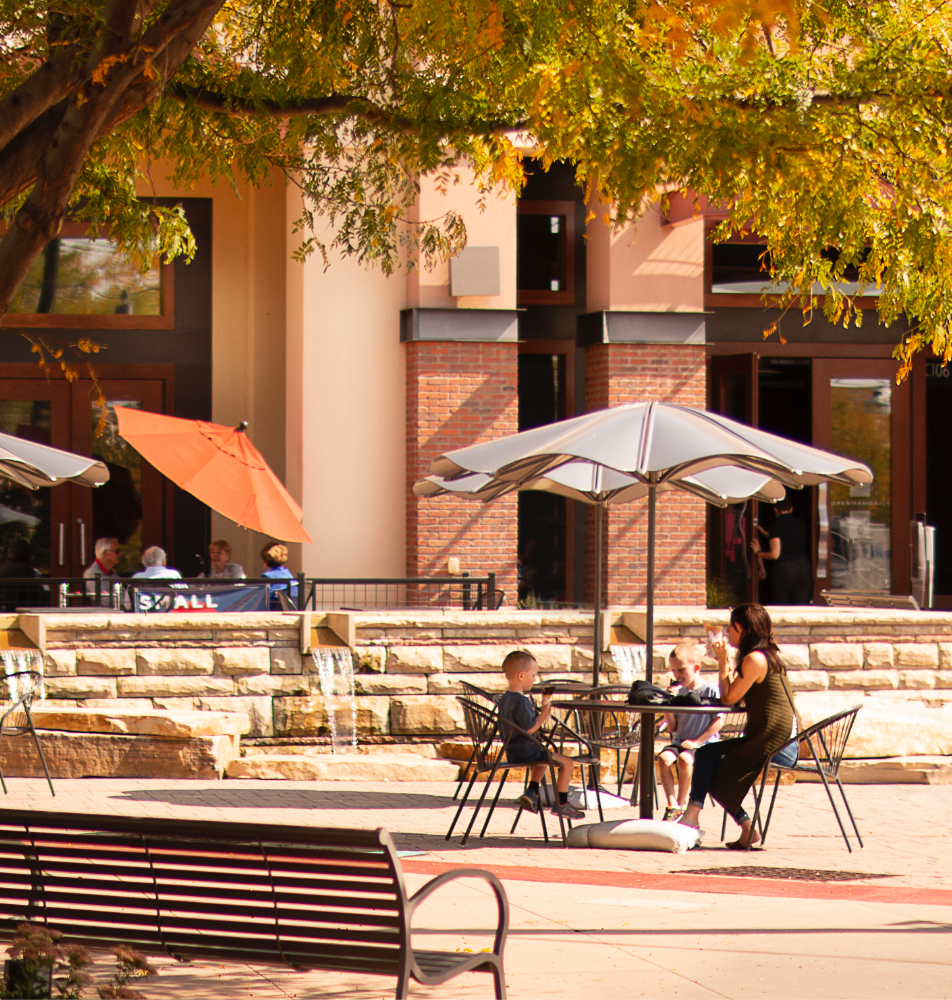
(727, 769)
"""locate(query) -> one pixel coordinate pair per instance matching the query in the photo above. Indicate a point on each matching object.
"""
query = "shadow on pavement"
(234, 797)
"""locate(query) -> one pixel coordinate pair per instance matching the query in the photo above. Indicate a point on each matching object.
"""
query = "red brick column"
(460, 393)
(630, 373)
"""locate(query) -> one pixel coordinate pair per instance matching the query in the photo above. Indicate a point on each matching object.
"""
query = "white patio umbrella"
(659, 446)
(34, 465)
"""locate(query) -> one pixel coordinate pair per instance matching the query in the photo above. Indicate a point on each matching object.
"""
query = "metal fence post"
(466, 592)
(301, 596)
(491, 594)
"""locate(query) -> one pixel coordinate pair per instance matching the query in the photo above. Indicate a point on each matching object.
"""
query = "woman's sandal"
(740, 845)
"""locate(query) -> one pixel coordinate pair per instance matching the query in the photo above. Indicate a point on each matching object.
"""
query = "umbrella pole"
(599, 643)
(647, 721)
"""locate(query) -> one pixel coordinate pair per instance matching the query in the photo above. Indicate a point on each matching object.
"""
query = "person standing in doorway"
(791, 576)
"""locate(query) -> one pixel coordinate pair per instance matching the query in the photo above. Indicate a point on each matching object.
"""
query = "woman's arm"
(752, 670)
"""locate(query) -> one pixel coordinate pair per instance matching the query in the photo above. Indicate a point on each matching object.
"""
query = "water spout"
(629, 662)
(335, 668)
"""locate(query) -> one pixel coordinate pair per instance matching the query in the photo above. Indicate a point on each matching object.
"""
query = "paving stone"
(257, 708)
(917, 654)
(453, 683)
(372, 659)
(175, 687)
(917, 679)
(878, 655)
(860, 680)
(109, 662)
(307, 716)
(795, 655)
(81, 687)
(809, 680)
(391, 683)
(836, 655)
(178, 660)
(242, 660)
(286, 660)
(95, 755)
(57, 662)
(426, 714)
(415, 660)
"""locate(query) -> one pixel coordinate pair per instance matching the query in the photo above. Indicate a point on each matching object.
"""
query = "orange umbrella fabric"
(220, 466)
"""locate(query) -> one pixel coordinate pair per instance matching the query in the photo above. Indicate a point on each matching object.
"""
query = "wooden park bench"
(304, 897)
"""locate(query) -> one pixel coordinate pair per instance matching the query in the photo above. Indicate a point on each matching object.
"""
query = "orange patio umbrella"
(220, 466)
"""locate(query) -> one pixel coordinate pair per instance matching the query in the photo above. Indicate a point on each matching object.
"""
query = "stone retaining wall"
(410, 665)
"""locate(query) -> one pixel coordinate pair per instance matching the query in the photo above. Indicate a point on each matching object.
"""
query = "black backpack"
(646, 693)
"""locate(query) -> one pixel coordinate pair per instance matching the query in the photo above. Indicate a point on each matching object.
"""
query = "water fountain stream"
(335, 668)
(629, 662)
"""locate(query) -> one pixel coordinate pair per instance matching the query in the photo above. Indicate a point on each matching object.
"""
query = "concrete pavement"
(801, 919)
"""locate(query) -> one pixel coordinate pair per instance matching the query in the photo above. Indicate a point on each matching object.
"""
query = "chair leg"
(489, 815)
(724, 826)
(469, 788)
(758, 798)
(542, 796)
(499, 982)
(849, 811)
(464, 772)
(2, 781)
(558, 804)
(829, 795)
(515, 822)
(773, 799)
(598, 798)
(479, 805)
(637, 781)
(39, 750)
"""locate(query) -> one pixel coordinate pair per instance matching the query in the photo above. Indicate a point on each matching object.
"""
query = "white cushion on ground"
(635, 835)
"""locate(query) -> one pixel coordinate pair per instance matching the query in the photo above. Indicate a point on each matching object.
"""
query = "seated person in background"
(108, 554)
(275, 557)
(514, 706)
(155, 569)
(220, 565)
(688, 732)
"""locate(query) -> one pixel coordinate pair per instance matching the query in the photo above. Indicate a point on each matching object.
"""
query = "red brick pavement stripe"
(675, 882)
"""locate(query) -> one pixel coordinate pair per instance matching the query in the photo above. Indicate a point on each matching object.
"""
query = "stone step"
(158, 723)
(893, 771)
(342, 767)
(101, 755)
(425, 750)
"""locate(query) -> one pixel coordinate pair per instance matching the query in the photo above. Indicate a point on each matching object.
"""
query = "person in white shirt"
(155, 569)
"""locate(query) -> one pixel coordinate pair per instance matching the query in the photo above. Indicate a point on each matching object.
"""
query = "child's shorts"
(534, 756)
(677, 749)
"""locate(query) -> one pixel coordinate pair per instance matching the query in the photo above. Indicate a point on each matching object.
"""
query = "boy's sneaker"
(672, 814)
(529, 801)
(569, 812)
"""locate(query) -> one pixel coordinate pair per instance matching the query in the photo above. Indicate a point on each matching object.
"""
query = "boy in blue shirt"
(514, 706)
(688, 732)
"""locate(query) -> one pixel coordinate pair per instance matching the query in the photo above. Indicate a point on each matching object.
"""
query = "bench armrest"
(502, 902)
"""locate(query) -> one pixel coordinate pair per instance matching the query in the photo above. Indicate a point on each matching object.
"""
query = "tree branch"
(331, 104)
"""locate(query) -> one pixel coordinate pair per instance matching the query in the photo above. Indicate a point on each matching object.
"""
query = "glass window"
(861, 516)
(742, 269)
(25, 514)
(81, 276)
(117, 505)
(541, 262)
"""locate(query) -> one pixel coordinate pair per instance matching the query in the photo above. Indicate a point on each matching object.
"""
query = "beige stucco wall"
(248, 322)
(346, 412)
(490, 221)
(646, 266)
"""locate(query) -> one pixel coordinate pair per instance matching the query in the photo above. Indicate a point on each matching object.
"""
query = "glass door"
(733, 576)
(132, 505)
(860, 412)
(35, 525)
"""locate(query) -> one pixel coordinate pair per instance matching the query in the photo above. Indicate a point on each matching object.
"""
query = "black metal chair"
(22, 688)
(480, 696)
(619, 731)
(826, 741)
(491, 760)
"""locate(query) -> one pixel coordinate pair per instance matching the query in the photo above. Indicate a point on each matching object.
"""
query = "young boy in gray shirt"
(688, 732)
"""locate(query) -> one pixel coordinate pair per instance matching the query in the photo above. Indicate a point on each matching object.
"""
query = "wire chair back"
(478, 694)
(19, 688)
(827, 741)
(482, 727)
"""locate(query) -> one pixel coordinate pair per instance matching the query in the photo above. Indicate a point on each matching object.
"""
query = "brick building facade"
(459, 394)
(629, 373)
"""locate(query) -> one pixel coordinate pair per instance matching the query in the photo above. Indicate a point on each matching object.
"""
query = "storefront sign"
(187, 598)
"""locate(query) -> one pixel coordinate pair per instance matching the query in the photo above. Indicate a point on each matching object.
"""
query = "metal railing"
(467, 593)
